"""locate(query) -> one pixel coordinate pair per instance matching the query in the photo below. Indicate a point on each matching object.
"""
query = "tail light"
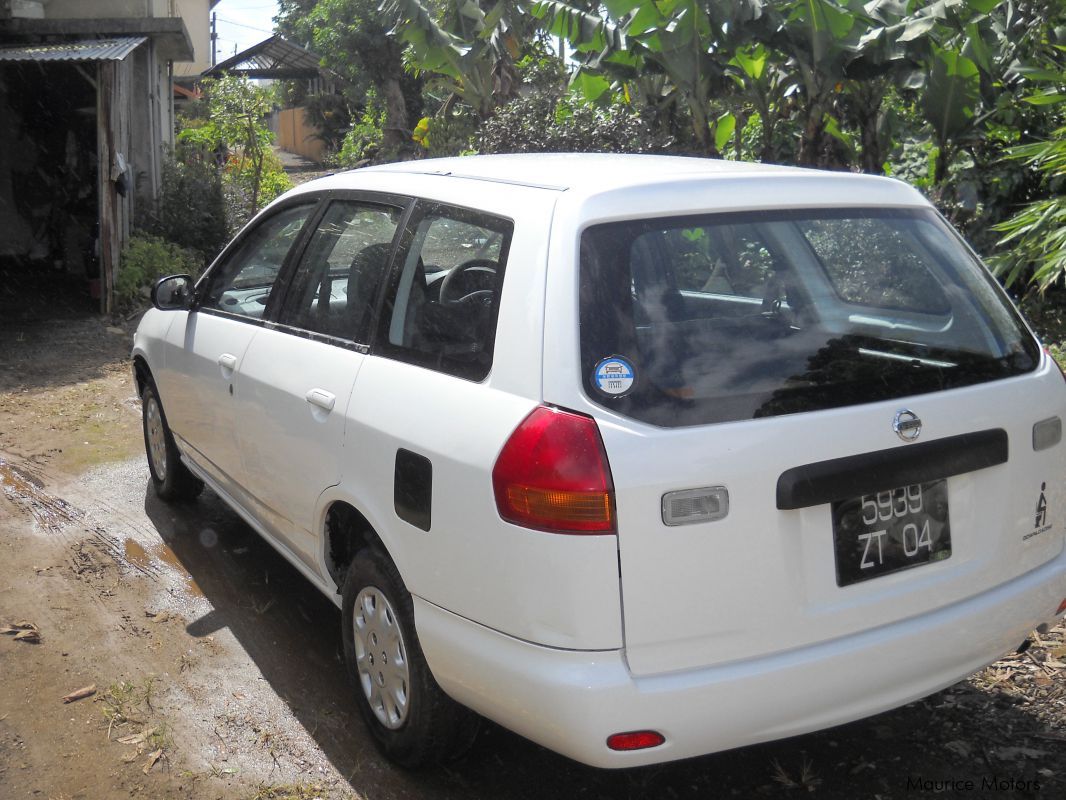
(552, 475)
(635, 740)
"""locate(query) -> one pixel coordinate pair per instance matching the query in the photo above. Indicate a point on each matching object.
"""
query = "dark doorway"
(49, 208)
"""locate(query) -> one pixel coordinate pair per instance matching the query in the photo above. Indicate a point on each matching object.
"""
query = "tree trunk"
(811, 140)
(397, 133)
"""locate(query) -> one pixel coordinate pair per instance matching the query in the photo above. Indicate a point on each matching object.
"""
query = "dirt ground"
(218, 673)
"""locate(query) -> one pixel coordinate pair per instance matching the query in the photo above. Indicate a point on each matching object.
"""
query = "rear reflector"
(552, 475)
(690, 506)
(635, 740)
(1047, 433)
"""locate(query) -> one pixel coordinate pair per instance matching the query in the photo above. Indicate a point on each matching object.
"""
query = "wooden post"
(105, 150)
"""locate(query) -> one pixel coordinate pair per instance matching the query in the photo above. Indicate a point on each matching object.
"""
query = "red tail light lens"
(552, 475)
(636, 740)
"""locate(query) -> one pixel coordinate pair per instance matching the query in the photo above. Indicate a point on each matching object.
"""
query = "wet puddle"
(26, 491)
(146, 560)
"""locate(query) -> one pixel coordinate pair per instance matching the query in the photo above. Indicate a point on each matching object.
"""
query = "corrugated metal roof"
(114, 49)
(275, 57)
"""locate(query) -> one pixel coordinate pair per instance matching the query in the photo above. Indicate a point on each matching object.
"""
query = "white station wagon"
(640, 457)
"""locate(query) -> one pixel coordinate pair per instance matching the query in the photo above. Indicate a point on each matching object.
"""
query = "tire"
(411, 719)
(171, 479)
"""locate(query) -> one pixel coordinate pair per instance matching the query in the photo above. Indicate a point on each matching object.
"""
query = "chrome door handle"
(321, 398)
(227, 361)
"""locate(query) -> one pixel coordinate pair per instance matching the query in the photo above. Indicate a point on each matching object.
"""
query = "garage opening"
(49, 199)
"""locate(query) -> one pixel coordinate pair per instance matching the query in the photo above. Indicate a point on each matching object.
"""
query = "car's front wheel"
(410, 717)
(170, 477)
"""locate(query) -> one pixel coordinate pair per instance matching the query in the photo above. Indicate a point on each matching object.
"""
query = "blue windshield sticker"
(614, 376)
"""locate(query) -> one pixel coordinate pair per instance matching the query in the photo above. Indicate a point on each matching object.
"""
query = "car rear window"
(693, 320)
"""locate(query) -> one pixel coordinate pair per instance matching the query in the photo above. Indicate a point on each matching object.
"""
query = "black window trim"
(238, 241)
(403, 203)
(319, 201)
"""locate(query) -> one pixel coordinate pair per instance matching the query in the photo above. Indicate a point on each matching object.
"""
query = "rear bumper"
(571, 701)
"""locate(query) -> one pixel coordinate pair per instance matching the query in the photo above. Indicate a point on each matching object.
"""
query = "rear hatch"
(818, 422)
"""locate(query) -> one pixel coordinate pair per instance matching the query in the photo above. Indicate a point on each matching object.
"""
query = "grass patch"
(302, 791)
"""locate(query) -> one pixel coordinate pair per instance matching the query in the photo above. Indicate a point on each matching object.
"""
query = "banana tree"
(468, 52)
(688, 41)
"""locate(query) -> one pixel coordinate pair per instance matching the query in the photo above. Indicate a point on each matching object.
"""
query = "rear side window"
(692, 320)
(441, 309)
(334, 289)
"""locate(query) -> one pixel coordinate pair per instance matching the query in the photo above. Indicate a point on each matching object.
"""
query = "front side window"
(441, 311)
(242, 284)
(335, 287)
(738, 316)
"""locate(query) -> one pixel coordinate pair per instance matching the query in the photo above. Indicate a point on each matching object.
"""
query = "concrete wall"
(195, 14)
(297, 136)
(197, 17)
(101, 9)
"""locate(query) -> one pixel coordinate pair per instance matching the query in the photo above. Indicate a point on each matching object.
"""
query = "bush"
(145, 259)
(191, 211)
(362, 142)
(243, 195)
(546, 121)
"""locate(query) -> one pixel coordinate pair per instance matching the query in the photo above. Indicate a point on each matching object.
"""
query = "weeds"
(805, 780)
(303, 791)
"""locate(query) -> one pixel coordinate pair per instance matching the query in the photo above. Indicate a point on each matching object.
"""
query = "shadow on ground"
(292, 633)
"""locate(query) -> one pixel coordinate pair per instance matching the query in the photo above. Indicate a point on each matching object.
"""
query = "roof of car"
(588, 174)
(576, 170)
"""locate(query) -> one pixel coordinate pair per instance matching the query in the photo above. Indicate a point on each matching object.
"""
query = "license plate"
(889, 531)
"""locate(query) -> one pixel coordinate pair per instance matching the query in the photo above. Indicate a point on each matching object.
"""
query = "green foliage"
(547, 121)
(191, 211)
(1034, 241)
(144, 260)
(447, 135)
(362, 142)
(353, 39)
(235, 132)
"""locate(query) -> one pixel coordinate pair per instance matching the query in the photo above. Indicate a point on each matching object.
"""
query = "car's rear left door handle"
(321, 398)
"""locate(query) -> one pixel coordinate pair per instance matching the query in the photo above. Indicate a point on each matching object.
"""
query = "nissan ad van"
(641, 457)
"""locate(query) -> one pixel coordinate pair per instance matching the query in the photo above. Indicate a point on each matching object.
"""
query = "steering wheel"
(452, 283)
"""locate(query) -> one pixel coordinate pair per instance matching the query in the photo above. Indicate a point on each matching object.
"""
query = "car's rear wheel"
(412, 720)
(171, 479)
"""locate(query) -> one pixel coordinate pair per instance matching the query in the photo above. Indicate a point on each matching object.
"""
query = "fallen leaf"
(136, 738)
(10, 628)
(152, 759)
(80, 694)
(28, 636)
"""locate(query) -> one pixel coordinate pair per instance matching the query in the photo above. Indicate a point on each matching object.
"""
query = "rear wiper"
(914, 360)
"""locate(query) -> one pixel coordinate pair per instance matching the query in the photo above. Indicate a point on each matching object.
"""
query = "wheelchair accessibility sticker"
(614, 376)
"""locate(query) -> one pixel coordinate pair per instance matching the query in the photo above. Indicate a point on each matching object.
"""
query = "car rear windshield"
(699, 319)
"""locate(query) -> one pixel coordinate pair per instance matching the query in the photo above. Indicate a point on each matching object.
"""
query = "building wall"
(104, 9)
(196, 14)
(295, 134)
(197, 17)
